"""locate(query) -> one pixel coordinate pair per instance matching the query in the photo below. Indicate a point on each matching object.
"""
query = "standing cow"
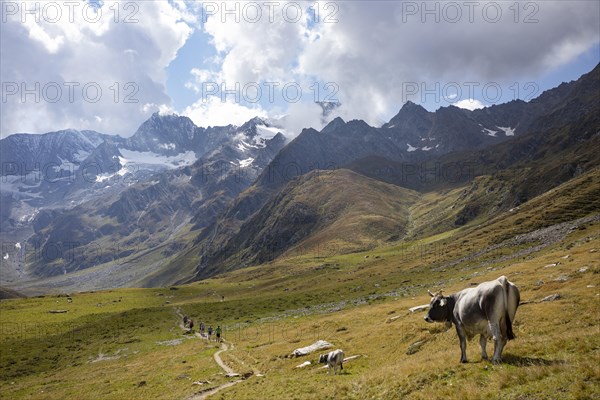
(488, 310)
(333, 359)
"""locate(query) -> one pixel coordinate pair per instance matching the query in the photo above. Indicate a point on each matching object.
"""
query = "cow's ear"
(429, 293)
(443, 302)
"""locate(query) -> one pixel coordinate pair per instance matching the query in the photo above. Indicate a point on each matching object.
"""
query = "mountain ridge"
(544, 133)
(192, 217)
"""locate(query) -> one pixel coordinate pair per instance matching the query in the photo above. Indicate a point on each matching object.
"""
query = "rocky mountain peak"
(333, 125)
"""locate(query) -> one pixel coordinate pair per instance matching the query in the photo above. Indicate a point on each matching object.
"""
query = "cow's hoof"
(463, 361)
(484, 358)
(497, 361)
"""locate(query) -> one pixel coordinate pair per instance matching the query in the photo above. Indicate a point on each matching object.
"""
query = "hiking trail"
(229, 372)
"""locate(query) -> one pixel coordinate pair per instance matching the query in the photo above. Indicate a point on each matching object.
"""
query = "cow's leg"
(498, 351)
(498, 343)
(483, 342)
(462, 337)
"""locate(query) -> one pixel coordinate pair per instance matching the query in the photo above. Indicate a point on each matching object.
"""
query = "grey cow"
(488, 310)
(333, 359)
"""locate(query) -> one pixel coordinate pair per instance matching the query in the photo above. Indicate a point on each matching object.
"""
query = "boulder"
(419, 308)
(318, 345)
(552, 297)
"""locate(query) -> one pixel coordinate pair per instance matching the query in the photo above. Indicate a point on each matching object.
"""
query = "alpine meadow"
(300, 200)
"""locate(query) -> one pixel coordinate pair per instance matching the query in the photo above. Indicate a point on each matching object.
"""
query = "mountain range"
(175, 202)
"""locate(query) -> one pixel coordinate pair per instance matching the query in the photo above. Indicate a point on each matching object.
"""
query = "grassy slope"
(344, 298)
(338, 211)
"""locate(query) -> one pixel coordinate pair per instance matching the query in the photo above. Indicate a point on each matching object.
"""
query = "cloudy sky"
(108, 65)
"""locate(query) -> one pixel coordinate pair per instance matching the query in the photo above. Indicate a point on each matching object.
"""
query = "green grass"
(345, 298)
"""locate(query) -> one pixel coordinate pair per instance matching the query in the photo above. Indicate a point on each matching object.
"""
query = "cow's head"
(323, 358)
(438, 308)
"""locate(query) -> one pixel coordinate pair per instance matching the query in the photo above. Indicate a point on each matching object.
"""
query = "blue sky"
(195, 53)
(571, 71)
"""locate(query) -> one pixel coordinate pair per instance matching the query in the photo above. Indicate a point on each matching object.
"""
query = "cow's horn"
(429, 293)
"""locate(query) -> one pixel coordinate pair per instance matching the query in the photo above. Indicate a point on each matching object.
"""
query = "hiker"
(202, 328)
(191, 325)
(209, 332)
(185, 320)
(218, 332)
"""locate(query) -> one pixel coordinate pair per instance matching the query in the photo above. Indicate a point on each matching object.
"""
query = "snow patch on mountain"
(28, 218)
(148, 158)
(489, 132)
(267, 132)
(105, 177)
(508, 131)
(167, 146)
(132, 161)
(259, 140)
(65, 165)
(244, 146)
(81, 155)
(411, 148)
(245, 163)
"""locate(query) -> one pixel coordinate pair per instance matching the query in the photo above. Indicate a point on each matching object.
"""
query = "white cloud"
(302, 115)
(202, 77)
(373, 50)
(257, 51)
(377, 47)
(127, 61)
(469, 104)
(214, 112)
(162, 109)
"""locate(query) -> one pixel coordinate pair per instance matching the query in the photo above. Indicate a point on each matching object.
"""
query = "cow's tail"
(511, 295)
(509, 330)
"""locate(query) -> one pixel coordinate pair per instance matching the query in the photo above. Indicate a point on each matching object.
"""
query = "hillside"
(127, 343)
(329, 212)
(561, 144)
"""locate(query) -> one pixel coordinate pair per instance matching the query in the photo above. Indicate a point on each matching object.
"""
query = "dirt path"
(210, 392)
(182, 326)
(225, 346)
(217, 357)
